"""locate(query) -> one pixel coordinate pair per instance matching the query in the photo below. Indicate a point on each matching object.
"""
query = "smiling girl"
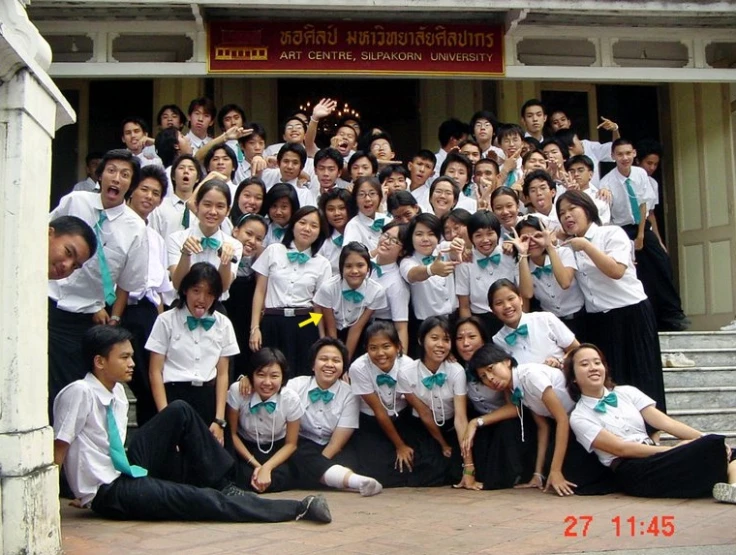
(338, 208)
(248, 199)
(443, 195)
(280, 204)
(366, 226)
(505, 205)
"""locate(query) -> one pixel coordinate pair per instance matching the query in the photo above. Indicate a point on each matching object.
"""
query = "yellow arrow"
(314, 318)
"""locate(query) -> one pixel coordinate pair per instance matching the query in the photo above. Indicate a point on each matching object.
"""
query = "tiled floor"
(418, 521)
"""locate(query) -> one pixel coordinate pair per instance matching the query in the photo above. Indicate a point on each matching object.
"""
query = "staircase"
(703, 396)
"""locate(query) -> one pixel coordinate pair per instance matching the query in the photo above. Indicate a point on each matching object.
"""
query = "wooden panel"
(687, 159)
(721, 277)
(714, 159)
(693, 280)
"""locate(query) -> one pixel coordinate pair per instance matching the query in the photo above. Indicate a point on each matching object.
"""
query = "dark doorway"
(391, 104)
(112, 101)
(64, 151)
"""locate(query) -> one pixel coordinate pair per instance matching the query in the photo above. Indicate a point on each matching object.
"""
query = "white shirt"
(601, 292)
(484, 399)
(359, 229)
(534, 379)
(167, 217)
(441, 400)
(158, 282)
(604, 209)
(88, 184)
(467, 203)
(548, 337)
(321, 419)
(242, 172)
(291, 284)
(80, 419)
(473, 281)
(272, 176)
(262, 427)
(435, 296)
(272, 150)
(624, 420)
(397, 293)
(363, 374)
(440, 157)
(176, 241)
(126, 249)
(347, 313)
(331, 251)
(148, 158)
(196, 142)
(553, 298)
(597, 152)
(621, 212)
(500, 156)
(270, 237)
(191, 355)
(421, 195)
(653, 199)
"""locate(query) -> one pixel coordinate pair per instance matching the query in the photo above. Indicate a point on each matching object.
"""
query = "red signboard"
(368, 48)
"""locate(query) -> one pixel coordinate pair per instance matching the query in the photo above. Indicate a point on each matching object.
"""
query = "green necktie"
(385, 379)
(470, 377)
(210, 243)
(511, 178)
(494, 258)
(278, 232)
(207, 322)
(185, 217)
(633, 202)
(353, 296)
(427, 260)
(378, 224)
(376, 268)
(609, 399)
(540, 270)
(437, 379)
(517, 396)
(316, 394)
(108, 287)
(338, 240)
(521, 331)
(270, 407)
(117, 451)
(298, 257)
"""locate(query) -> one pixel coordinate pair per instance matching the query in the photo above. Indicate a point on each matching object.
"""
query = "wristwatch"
(221, 423)
(479, 422)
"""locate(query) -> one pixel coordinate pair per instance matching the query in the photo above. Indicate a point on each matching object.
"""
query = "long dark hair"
(569, 370)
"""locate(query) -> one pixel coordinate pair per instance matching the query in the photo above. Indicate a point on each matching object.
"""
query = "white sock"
(334, 477)
(365, 485)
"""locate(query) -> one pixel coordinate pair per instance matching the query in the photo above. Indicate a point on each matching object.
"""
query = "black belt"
(287, 312)
(573, 316)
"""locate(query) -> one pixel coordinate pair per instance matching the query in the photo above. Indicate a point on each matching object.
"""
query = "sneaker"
(314, 507)
(231, 490)
(731, 326)
(679, 360)
(725, 493)
(665, 360)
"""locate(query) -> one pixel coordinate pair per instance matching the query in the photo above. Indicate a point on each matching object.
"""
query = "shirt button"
(196, 358)
(196, 341)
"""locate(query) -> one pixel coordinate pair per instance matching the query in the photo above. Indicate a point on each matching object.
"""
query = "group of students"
(488, 264)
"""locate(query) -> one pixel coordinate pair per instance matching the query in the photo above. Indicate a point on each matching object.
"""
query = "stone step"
(700, 397)
(667, 439)
(700, 376)
(706, 420)
(717, 356)
(701, 339)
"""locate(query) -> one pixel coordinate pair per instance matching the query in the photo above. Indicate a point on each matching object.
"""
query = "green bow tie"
(437, 379)
(427, 260)
(207, 322)
(210, 243)
(376, 268)
(522, 330)
(353, 296)
(316, 394)
(470, 376)
(270, 406)
(517, 396)
(385, 379)
(298, 257)
(468, 191)
(539, 271)
(278, 232)
(494, 258)
(609, 399)
(338, 241)
(378, 224)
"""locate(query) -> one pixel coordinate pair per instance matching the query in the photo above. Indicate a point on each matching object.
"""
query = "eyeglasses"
(482, 125)
(370, 194)
(294, 127)
(515, 140)
(390, 239)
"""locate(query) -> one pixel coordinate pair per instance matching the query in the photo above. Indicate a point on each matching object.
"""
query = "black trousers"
(139, 320)
(183, 484)
(66, 363)
(654, 270)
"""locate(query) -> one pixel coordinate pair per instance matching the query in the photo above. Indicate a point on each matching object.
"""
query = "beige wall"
(258, 97)
(176, 91)
(440, 99)
(702, 119)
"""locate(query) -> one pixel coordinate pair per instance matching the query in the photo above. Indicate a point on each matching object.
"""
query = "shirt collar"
(308, 251)
(477, 255)
(111, 213)
(344, 285)
(362, 218)
(255, 399)
(590, 234)
(197, 232)
(591, 402)
(101, 392)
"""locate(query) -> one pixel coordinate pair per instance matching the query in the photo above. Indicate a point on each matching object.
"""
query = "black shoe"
(231, 490)
(314, 507)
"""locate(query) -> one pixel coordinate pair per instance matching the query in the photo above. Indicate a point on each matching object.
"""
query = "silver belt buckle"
(197, 383)
(289, 312)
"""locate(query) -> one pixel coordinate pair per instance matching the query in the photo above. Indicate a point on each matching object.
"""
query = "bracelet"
(468, 472)
(429, 270)
(523, 256)
(542, 476)
(255, 329)
(251, 460)
(115, 318)
(311, 118)
(467, 465)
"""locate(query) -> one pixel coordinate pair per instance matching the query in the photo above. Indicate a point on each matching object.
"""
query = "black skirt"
(282, 477)
(576, 323)
(283, 333)
(687, 471)
(628, 337)
(201, 398)
(239, 307)
(308, 464)
(431, 467)
(492, 324)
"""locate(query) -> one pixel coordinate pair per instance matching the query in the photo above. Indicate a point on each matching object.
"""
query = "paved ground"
(427, 521)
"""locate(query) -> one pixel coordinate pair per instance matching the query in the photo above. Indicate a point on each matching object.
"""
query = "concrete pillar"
(30, 108)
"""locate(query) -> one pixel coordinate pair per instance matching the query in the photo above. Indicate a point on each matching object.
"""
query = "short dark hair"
(450, 129)
(322, 342)
(94, 155)
(202, 102)
(390, 169)
(293, 117)
(353, 247)
(201, 271)
(428, 325)
(337, 194)
(460, 159)
(357, 155)
(508, 130)
(72, 225)
(384, 327)
(529, 220)
(370, 180)
(329, 153)
(267, 356)
(566, 137)
(398, 199)
(136, 120)
(568, 368)
(498, 285)
(99, 341)
(297, 149)
(245, 218)
(370, 139)
(122, 155)
(166, 144)
(580, 159)
(504, 191)
(538, 174)
(257, 130)
(581, 199)
(235, 212)
(490, 161)
(298, 215)
(213, 185)
(477, 324)
(564, 150)
(225, 110)
(453, 184)
(228, 152)
(486, 115)
(173, 108)
(489, 354)
(647, 147)
(484, 219)
(179, 160)
(153, 171)
(431, 221)
(471, 142)
(620, 142)
(424, 154)
(532, 102)
(276, 193)
(459, 215)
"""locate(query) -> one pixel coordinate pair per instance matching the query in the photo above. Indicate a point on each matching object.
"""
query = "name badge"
(289, 312)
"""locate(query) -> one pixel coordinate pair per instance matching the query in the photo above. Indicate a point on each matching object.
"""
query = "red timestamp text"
(579, 526)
